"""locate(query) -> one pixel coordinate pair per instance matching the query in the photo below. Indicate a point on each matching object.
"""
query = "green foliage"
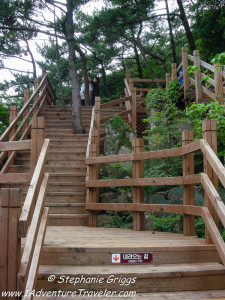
(171, 223)
(164, 113)
(191, 69)
(197, 113)
(121, 128)
(219, 58)
(121, 219)
(173, 91)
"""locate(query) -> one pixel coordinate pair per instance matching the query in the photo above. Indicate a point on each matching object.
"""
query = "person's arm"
(89, 79)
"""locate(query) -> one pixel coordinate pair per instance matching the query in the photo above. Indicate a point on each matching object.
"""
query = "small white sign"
(116, 258)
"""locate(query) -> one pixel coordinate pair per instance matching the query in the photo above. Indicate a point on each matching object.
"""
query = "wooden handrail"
(118, 101)
(190, 148)
(34, 267)
(90, 131)
(133, 80)
(32, 234)
(213, 160)
(14, 122)
(179, 180)
(165, 208)
(30, 200)
(15, 146)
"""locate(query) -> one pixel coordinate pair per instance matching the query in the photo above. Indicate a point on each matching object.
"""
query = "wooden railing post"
(185, 72)
(13, 115)
(138, 192)
(93, 192)
(168, 79)
(188, 189)
(97, 122)
(134, 109)
(218, 83)
(37, 138)
(36, 85)
(174, 71)
(26, 98)
(198, 84)
(209, 134)
(10, 244)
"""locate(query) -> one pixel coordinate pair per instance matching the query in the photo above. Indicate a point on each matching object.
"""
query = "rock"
(175, 196)
(155, 199)
(104, 220)
(116, 197)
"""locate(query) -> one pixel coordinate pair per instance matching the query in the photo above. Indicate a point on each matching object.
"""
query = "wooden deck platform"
(82, 236)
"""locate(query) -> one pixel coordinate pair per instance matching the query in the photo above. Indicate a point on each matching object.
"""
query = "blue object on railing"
(182, 79)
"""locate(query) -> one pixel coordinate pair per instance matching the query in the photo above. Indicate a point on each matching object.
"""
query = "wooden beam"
(118, 101)
(32, 234)
(147, 80)
(214, 197)
(214, 233)
(15, 121)
(32, 277)
(9, 178)
(138, 192)
(30, 200)
(188, 189)
(198, 84)
(179, 180)
(185, 72)
(166, 208)
(15, 146)
(195, 146)
(10, 244)
(121, 114)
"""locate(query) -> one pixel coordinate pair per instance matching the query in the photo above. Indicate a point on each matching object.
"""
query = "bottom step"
(138, 278)
(186, 295)
(68, 220)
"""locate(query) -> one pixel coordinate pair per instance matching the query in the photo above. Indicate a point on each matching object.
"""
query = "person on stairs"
(95, 89)
(82, 92)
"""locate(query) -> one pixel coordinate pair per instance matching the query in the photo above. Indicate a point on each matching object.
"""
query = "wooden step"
(72, 155)
(64, 169)
(66, 187)
(63, 147)
(145, 278)
(186, 295)
(19, 169)
(66, 208)
(66, 163)
(86, 255)
(67, 143)
(67, 177)
(66, 197)
(68, 220)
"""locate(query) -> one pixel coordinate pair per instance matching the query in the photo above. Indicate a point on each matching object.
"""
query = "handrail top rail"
(133, 80)
(14, 122)
(114, 102)
(90, 131)
(189, 148)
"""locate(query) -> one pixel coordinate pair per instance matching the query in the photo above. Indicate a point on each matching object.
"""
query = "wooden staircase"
(66, 165)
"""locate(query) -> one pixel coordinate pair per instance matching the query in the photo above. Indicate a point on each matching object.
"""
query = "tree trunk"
(32, 59)
(105, 83)
(58, 66)
(187, 29)
(150, 69)
(76, 100)
(172, 43)
(84, 72)
(138, 62)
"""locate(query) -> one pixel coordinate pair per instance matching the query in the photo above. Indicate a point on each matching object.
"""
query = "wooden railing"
(212, 212)
(17, 221)
(214, 88)
(20, 124)
(137, 95)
